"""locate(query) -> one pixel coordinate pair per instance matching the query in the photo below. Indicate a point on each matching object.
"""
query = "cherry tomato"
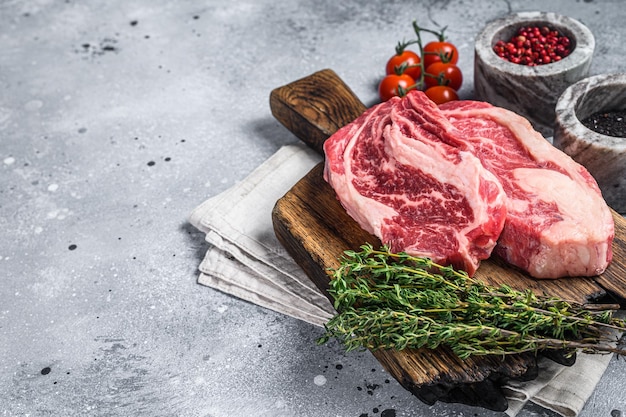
(443, 74)
(388, 87)
(409, 59)
(441, 94)
(433, 50)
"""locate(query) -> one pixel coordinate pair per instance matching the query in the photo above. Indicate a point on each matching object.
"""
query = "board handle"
(315, 107)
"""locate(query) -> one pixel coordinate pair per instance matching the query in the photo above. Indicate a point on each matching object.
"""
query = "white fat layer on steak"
(572, 238)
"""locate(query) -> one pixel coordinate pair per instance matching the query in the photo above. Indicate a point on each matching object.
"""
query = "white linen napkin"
(245, 257)
(246, 260)
(562, 389)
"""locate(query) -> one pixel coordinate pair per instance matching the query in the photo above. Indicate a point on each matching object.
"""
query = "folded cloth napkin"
(246, 260)
(563, 389)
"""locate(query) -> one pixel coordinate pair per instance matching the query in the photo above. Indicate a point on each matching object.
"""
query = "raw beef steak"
(557, 222)
(395, 174)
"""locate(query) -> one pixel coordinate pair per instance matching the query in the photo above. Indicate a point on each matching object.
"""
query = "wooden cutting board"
(314, 228)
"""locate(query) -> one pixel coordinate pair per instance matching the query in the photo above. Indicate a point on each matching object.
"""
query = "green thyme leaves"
(391, 300)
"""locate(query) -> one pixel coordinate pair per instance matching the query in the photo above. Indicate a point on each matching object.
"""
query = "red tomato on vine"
(408, 70)
(394, 85)
(433, 52)
(440, 94)
(407, 62)
(440, 73)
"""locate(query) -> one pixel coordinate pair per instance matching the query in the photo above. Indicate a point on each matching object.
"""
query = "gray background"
(117, 118)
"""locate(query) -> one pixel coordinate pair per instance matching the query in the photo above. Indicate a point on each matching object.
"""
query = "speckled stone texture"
(117, 118)
(530, 91)
(604, 156)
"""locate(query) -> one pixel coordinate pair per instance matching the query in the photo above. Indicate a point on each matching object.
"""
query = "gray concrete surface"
(116, 119)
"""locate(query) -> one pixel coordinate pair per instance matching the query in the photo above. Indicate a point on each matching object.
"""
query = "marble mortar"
(530, 91)
(604, 156)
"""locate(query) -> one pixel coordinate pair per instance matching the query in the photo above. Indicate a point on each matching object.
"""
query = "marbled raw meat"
(395, 174)
(557, 222)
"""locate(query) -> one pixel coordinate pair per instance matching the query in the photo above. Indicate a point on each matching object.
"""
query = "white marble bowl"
(530, 91)
(603, 156)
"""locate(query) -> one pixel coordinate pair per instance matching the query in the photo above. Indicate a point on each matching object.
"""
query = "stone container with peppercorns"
(524, 61)
(582, 131)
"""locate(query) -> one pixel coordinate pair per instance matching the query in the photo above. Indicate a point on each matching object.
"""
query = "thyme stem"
(391, 300)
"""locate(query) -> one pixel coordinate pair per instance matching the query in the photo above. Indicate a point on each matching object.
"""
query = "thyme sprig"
(391, 300)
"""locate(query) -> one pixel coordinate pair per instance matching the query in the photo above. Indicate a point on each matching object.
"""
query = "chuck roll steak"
(448, 183)
(557, 222)
(396, 175)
